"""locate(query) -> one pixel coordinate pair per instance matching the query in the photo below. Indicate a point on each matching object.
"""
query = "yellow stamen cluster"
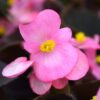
(80, 37)
(94, 98)
(2, 30)
(98, 59)
(10, 2)
(47, 46)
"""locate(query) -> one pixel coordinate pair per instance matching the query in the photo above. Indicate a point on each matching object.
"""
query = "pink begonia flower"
(54, 56)
(24, 11)
(84, 42)
(40, 87)
(89, 46)
(6, 27)
(94, 66)
(94, 59)
(20, 65)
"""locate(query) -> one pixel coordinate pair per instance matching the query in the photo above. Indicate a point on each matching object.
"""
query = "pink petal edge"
(38, 86)
(60, 83)
(16, 68)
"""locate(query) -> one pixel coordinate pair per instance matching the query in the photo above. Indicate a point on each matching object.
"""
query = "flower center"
(98, 59)
(2, 30)
(80, 37)
(94, 98)
(47, 46)
(10, 2)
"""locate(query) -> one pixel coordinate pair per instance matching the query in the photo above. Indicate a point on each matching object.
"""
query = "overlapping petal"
(63, 35)
(80, 69)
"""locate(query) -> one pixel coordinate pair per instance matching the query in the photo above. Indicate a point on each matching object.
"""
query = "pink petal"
(98, 95)
(20, 59)
(46, 23)
(80, 69)
(97, 38)
(38, 86)
(54, 65)
(96, 71)
(26, 17)
(17, 67)
(89, 43)
(31, 47)
(64, 34)
(60, 83)
(91, 54)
